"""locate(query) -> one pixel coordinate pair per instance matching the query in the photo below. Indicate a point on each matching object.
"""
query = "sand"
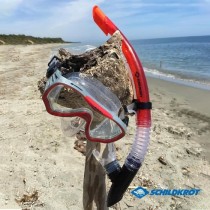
(38, 161)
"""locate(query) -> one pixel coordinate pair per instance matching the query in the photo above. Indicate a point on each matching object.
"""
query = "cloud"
(72, 19)
(7, 7)
(72, 12)
(68, 19)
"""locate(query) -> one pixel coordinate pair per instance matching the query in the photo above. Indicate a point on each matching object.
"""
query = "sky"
(72, 19)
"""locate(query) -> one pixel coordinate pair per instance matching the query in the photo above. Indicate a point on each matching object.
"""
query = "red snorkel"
(138, 76)
(122, 177)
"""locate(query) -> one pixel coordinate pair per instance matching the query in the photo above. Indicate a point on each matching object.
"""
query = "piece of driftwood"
(107, 64)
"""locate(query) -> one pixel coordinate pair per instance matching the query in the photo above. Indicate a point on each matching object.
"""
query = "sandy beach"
(40, 169)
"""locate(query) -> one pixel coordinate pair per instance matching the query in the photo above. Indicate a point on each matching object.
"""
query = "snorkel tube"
(122, 177)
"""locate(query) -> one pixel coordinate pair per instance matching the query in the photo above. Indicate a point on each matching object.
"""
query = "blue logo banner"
(140, 192)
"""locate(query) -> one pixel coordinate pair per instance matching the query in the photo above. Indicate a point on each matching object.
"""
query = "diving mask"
(96, 109)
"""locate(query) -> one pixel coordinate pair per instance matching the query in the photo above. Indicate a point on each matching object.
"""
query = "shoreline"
(193, 103)
(36, 156)
(192, 82)
(198, 97)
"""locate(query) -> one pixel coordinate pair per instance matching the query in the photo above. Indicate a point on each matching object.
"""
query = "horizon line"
(175, 37)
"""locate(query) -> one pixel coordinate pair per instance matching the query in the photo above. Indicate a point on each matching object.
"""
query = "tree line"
(23, 39)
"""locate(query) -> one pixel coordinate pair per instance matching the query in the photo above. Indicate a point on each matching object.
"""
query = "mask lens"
(106, 130)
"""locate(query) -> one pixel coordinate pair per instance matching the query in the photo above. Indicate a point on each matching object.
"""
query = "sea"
(184, 60)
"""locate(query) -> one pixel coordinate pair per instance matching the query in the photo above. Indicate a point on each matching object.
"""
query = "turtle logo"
(140, 192)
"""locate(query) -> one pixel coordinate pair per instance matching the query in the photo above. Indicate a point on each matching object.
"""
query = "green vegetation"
(23, 39)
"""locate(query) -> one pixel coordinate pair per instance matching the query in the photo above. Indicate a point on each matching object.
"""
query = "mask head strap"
(54, 64)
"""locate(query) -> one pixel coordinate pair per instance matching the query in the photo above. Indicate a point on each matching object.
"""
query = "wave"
(89, 47)
(158, 73)
(81, 48)
(193, 82)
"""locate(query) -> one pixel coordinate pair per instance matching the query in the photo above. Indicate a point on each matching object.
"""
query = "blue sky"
(72, 19)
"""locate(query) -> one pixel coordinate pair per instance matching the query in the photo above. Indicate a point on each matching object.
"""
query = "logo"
(137, 75)
(140, 192)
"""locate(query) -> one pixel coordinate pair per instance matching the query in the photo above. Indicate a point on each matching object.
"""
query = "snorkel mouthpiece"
(120, 185)
(113, 169)
(122, 177)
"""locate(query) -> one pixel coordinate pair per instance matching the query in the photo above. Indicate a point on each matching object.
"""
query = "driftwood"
(107, 64)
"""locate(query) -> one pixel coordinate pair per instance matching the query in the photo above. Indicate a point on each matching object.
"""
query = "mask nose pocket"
(72, 125)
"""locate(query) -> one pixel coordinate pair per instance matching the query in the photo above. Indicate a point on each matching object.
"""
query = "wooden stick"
(94, 185)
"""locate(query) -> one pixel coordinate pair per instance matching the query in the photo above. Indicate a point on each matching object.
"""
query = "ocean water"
(183, 60)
